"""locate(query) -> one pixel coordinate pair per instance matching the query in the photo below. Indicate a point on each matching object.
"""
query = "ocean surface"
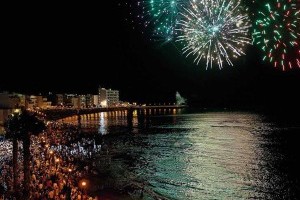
(184, 154)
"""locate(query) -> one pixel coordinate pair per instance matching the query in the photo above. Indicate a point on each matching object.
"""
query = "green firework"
(276, 32)
(162, 16)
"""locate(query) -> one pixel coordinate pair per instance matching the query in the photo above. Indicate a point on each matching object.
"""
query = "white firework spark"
(214, 30)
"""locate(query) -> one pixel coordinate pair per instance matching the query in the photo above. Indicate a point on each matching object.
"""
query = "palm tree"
(21, 126)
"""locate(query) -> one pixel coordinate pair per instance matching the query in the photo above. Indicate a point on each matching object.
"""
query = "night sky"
(42, 45)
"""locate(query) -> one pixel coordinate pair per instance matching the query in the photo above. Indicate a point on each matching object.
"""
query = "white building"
(76, 102)
(89, 100)
(108, 97)
(82, 100)
(59, 100)
(96, 100)
(42, 102)
(4, 113)
(11, 100)
(31, 102)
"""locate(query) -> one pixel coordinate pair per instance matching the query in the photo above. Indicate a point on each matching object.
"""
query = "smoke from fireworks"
(214, 30)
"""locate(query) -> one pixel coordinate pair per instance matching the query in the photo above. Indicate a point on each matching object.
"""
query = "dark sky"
(76, 47)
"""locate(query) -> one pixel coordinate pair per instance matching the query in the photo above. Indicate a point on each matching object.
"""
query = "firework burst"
(214, 30)
(161, 16)
(277, 33)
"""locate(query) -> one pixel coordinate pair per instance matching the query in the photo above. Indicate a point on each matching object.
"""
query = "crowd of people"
(57, 167)
(5, 150)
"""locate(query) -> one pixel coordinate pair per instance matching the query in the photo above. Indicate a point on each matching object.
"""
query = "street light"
(69, 172)
(17, 111)
(83, 185)
(51, 156)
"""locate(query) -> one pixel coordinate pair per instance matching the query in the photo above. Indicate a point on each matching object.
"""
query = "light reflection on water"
(218, 155)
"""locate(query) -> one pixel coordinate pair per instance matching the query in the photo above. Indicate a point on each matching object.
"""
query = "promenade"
(54, 114)
(57, 167)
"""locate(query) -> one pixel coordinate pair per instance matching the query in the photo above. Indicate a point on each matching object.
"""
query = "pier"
(55, 114)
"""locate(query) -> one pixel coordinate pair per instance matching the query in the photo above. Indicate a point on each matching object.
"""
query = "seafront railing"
(53, 114)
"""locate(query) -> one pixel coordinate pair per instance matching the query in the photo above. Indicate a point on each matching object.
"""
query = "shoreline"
(57, 158)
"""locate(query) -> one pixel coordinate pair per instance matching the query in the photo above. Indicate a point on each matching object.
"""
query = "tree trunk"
(26, 163)
(15, 164)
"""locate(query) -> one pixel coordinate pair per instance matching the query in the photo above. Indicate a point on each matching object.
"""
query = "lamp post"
(56, 163)
(69, 172)
(83, 185)
(51, 156)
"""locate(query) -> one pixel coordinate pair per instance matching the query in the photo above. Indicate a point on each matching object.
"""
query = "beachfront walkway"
(56, 167)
